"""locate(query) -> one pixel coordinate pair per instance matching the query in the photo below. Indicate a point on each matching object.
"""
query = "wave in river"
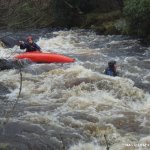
(72, 106)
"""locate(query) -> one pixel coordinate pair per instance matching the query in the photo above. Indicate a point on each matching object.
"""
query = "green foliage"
(22, 15)
(138, 16)
(99, 18)
(29, 14)
(60, 13)
(122, 26)
(4, 146)
(103, 23)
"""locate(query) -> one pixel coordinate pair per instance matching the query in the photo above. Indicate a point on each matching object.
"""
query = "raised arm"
(22, 45)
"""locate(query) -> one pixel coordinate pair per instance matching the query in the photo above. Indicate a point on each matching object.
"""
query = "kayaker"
(111, 70)
(30, 45)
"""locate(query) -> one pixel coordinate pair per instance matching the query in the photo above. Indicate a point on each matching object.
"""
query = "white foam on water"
(4, 53)
(145, 140)
(8, 53)
(73, 89)
(86, 146)
(39, 117)
(146, 78)
(44, 85)
(122, 143)
(64, 42)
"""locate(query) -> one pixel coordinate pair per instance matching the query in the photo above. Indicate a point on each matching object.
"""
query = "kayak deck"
(40, 57)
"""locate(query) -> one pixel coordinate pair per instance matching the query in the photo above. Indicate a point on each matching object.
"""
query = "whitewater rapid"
(72, 106)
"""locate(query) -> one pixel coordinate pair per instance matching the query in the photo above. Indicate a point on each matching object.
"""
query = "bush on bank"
(137, 13)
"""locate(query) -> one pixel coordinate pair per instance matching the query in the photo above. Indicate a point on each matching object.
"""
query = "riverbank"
(98, 15)
(111, 17)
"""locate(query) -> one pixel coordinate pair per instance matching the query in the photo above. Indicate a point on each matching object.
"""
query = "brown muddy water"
(72, 106)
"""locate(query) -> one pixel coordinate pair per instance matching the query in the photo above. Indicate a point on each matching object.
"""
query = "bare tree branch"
(7, 115)
(107, 143)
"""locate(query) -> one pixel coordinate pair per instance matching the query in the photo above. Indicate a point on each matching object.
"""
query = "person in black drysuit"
(111, 69)
(30, 45)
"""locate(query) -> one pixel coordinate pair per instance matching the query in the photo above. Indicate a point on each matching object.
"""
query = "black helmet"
(112, 63)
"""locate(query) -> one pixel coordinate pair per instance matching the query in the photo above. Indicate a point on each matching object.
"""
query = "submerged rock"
(9, 41)
(12, 64)
(3, 89)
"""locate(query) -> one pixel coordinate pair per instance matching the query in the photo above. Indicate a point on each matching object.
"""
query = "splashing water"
(72, 106)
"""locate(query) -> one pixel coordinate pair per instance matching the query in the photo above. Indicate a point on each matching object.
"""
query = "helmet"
(111, 63)
(29, 38)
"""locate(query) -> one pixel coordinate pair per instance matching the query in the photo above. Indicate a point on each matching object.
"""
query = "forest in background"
(129, 17)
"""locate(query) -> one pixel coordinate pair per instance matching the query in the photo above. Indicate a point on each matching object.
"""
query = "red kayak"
(40, 57)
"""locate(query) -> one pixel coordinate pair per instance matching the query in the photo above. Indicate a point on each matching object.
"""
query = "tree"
(138, 16)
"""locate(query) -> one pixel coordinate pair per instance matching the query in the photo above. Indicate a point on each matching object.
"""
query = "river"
(75, 106)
